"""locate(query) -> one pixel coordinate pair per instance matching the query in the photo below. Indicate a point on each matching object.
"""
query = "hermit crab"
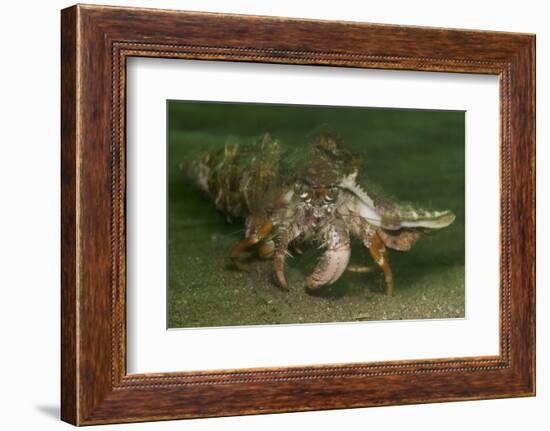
(310, 195)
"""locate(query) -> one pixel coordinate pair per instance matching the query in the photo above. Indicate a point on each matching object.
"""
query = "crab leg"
(248, 242)
(376, 243)
(286, 236)
(363, 269)
(378, 252)
(364, 232)
(279, 260)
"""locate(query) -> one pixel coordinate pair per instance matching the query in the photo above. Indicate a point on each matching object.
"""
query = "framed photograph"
(263, 214)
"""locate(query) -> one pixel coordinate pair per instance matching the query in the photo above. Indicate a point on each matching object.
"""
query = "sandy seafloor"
(415, 156)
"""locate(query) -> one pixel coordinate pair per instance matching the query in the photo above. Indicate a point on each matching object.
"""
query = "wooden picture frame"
(95, 43)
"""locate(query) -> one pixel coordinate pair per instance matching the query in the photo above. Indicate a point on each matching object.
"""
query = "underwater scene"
(288, 214)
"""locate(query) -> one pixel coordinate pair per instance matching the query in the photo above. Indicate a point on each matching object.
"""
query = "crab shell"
(411, 218)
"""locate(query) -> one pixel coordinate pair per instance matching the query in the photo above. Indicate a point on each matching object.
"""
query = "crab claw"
(333, 263)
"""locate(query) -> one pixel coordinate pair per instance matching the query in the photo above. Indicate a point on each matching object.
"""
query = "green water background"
(412, 155)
